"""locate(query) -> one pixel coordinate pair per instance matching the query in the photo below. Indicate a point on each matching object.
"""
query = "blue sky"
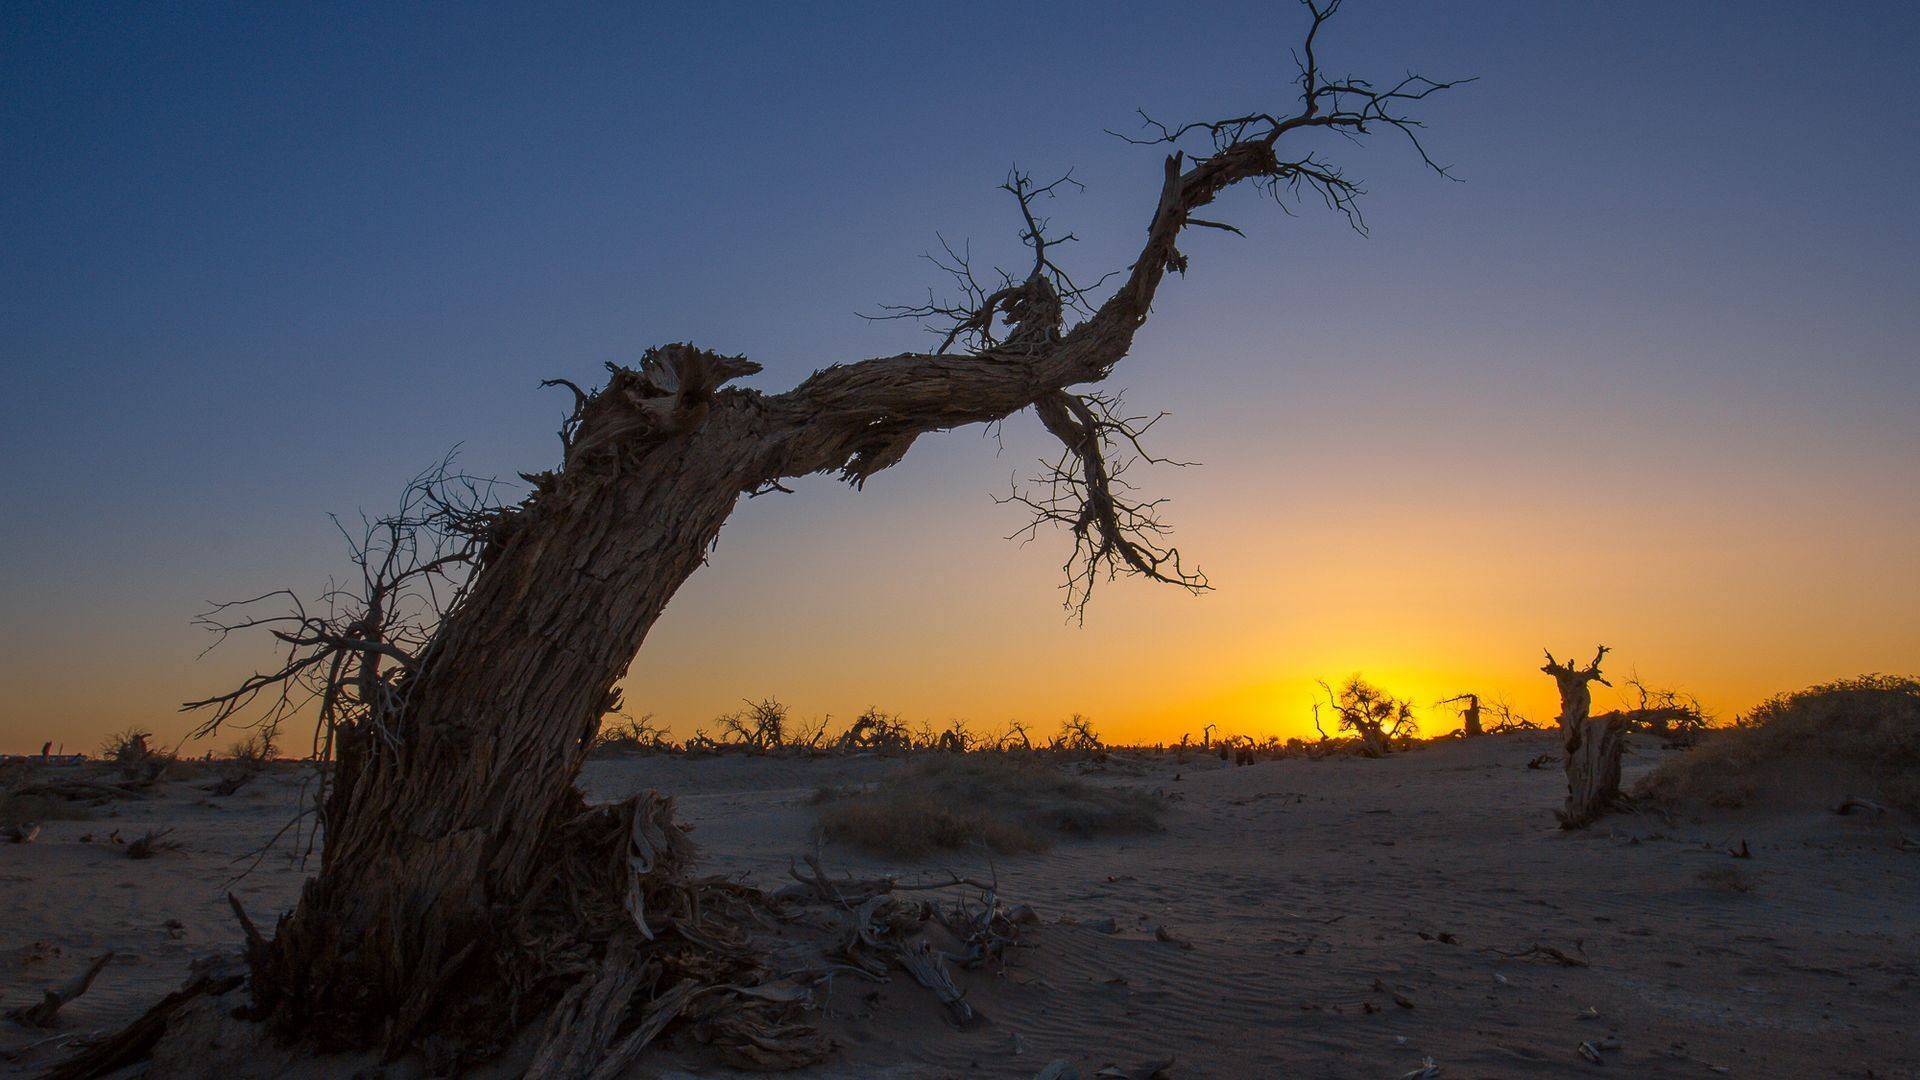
(259, 263)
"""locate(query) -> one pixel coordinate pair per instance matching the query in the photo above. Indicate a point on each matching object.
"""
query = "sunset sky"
(1648, 376)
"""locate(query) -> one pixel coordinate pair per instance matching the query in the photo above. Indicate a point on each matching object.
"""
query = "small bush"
(256, 751)
(132, 754)
(620, 733)
(1725, 879)
(1010, 804)
(127, 747)
(1853, 737)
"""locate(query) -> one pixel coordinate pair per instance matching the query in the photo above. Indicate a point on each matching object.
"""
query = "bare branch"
(1085, 489)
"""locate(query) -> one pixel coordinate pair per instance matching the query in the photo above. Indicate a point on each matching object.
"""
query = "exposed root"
(620, 949)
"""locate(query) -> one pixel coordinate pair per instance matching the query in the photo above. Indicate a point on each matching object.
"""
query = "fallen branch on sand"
(151, 844)
(1546, 952)
(851, 892)
(42, 1013)
(1854, 802)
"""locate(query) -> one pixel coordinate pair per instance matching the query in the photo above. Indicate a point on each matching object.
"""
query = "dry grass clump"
(1725, 879)
(1852, 737)
(1011, 804)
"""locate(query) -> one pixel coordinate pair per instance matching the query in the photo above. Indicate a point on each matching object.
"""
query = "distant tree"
(1469, 713)
(1078, 736)
(1673, 716)
(876, 730)
(1376, 717)
(760, 725)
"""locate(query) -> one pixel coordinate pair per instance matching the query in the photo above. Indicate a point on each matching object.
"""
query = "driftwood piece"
(1548, 952)
(152, 843)
(919, 960)
(42, 1013)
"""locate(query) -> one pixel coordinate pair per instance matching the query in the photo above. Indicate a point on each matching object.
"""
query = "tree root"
(621, 949)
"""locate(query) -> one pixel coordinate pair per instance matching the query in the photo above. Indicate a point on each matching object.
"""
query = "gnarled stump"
(1593, 743)
(1593, 768)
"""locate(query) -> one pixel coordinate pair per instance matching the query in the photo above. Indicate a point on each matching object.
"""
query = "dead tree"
(453, 830)
(1077, 736)
(1675, 717)
(1593, 743)
(1505, 719)
(1469, 715)
(875, 730)
(1375, 717)
(761, 726)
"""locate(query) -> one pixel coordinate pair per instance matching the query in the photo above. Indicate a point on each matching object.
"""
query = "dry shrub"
(1853, 737)
(256, 751)
(1725, 879)
(127, 747)
(623, 734)
(132, 753)
(1010, 804)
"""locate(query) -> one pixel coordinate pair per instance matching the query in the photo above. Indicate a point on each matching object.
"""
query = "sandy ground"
(1341, 918)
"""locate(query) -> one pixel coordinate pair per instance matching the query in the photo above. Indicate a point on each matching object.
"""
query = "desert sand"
(1332, 918)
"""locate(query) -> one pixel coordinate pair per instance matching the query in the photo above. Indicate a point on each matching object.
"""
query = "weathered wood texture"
(1593, 744)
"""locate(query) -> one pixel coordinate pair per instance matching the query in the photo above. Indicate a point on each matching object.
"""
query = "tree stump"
(1593, 768)
(1593, 744)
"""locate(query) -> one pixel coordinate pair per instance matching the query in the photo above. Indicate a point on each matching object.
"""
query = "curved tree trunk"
(438, 824)
(444, 811)
(452, 811)
(1373, 740)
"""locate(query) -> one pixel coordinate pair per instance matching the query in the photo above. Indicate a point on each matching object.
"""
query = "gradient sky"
(1648, 376)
